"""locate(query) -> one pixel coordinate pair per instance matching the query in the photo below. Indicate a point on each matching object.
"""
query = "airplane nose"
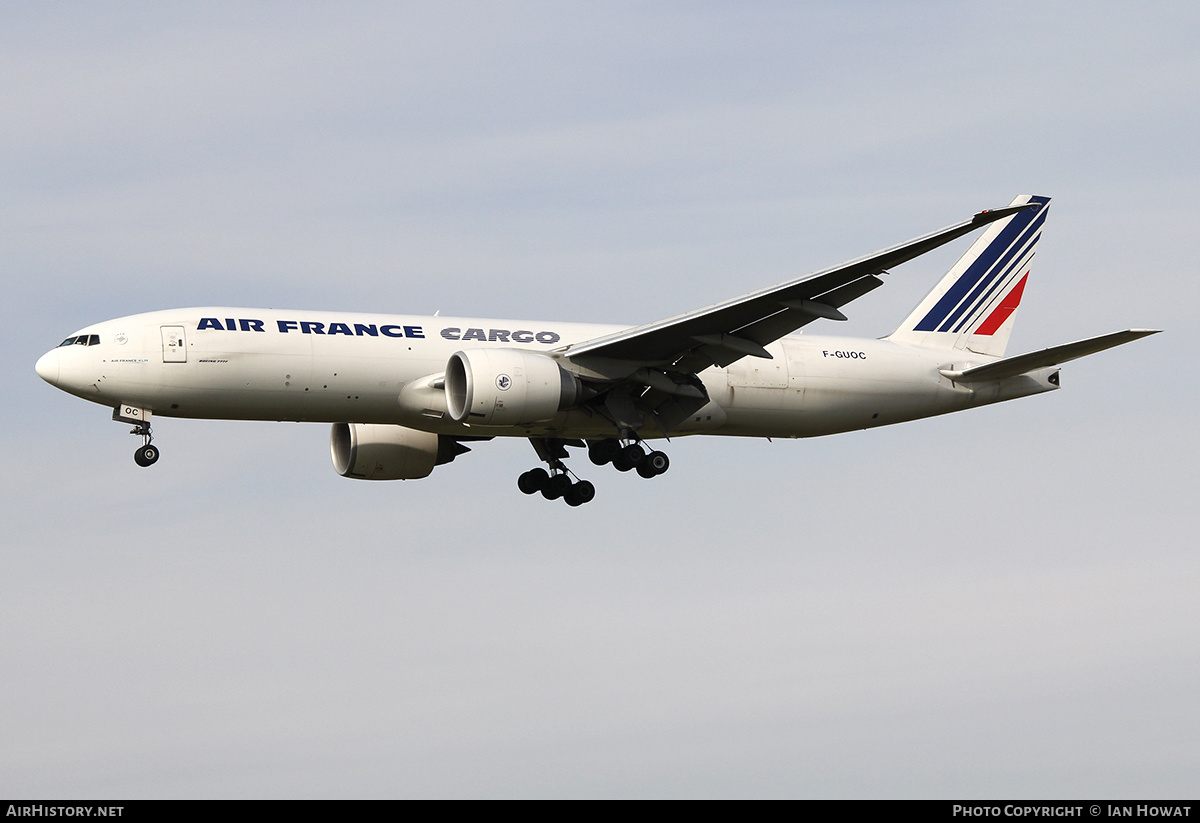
(47, 367)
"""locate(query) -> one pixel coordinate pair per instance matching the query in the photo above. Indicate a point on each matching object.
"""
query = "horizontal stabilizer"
(1053, 356)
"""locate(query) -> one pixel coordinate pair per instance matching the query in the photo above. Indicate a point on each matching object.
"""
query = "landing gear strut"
(146, 454)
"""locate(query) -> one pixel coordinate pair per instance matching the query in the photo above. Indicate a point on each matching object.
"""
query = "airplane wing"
(725, 332)
(1053, 356)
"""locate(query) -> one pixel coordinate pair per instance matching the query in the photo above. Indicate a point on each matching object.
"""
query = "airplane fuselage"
(341, 367)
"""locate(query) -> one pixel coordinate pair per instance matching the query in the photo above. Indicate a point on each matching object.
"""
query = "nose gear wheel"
(145, 454)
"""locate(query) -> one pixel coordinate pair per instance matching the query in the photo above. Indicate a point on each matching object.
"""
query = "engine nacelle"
(506, 387)
(371, 451)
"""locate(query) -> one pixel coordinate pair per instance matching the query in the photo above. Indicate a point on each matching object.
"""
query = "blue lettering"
(392, 331)
(360, 330)
(414, 331)
(251, 325)
(340, 328)
(286, 325)
(209, 323)
(312, 328)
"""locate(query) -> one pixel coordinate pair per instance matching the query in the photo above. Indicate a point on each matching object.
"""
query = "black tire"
(659, 461)
(556, 487)
(621, 463)
(646, 470)
(633, 454)
(599, 453)
(533, 481)
(146, 456)
(580, 493)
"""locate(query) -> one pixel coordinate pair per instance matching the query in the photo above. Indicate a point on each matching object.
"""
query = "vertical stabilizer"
(975, 304)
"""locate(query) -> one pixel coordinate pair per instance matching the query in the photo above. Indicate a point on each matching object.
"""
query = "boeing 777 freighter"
(405, 393)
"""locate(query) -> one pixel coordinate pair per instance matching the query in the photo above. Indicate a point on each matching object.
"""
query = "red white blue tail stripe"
(980, 294)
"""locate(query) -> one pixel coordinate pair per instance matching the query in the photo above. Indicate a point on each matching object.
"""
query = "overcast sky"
(1000, 603)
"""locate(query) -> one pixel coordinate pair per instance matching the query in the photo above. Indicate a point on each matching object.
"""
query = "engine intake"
(506, 387)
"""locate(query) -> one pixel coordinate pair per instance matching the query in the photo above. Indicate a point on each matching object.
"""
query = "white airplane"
(404, 393)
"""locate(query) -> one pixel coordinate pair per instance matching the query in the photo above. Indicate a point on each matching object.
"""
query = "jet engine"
(371, 451)
(506, 387)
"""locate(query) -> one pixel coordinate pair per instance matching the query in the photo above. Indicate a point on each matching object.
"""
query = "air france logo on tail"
(974, 305)
(969, 302)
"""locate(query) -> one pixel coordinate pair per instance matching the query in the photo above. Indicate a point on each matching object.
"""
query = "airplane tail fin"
(975, 304)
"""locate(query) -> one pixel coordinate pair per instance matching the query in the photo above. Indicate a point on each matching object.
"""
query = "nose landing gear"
(146, 454)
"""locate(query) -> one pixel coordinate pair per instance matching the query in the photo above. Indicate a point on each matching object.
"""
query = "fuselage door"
(174, 344)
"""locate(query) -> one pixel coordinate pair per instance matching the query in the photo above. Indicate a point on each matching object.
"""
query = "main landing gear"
(556, 485)
(146, 454)
(626, 455)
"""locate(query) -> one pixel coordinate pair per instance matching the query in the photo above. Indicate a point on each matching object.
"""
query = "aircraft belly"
(913, 390)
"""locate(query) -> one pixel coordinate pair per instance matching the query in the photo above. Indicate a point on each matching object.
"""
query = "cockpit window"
(81, 340)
